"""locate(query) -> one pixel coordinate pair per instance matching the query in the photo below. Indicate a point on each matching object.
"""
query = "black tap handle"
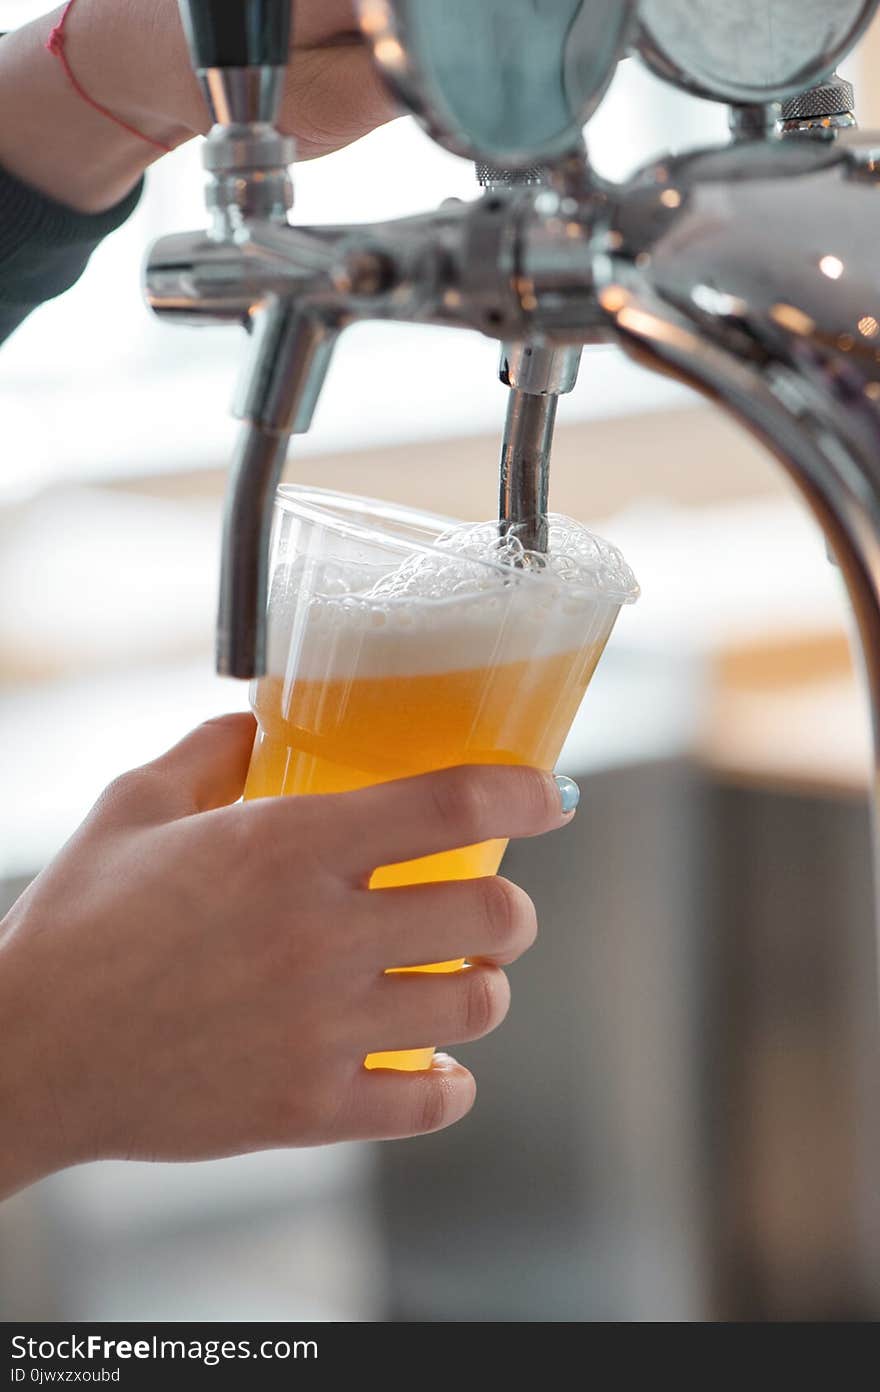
(237, 33)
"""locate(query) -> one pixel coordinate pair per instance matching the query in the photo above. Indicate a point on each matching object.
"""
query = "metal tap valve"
(239, 52)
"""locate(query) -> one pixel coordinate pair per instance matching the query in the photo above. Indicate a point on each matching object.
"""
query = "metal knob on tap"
(827, 107)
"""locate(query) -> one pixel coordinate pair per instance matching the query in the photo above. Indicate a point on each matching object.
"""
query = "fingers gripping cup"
(401, 643)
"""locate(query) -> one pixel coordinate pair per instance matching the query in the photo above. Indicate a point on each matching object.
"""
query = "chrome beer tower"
(749, 271)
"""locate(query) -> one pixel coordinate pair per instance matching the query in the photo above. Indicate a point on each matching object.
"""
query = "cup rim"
(322, 507)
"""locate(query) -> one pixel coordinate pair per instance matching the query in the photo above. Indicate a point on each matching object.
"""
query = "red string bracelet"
(55, 45)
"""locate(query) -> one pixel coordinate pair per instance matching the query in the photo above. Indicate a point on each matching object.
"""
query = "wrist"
(133, 60)
(136, 68)
(51, 139)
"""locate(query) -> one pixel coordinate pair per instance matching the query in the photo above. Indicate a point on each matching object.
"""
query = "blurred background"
(679, 1119)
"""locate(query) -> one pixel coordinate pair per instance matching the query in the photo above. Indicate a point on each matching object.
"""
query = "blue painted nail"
(569, 792)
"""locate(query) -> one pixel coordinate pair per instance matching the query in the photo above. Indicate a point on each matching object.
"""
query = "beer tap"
(510, 85)
(240, 52)
(568, 260)
(554, 264)
(537, 376)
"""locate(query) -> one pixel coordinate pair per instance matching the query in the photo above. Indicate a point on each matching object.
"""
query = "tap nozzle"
(290, 354)
(525, 468)
(536, 376)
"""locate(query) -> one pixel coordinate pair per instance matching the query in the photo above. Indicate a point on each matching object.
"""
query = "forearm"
(69, 174)
(127, 54)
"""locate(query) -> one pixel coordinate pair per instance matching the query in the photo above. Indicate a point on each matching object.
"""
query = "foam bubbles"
(474, 596)
(457, 564)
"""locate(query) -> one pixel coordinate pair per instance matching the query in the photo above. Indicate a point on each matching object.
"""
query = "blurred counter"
(791, 714)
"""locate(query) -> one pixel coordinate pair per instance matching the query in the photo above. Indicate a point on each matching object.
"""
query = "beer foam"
(469, 599)
(575, 556)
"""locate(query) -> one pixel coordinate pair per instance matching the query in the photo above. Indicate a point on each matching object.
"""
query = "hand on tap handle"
(132, 59)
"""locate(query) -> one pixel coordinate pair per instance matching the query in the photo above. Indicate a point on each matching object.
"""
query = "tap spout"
(536, 376)
(290, 355)
(525, 468)
(241, 611)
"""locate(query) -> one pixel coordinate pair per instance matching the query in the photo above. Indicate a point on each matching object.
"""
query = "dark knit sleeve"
(45, 246)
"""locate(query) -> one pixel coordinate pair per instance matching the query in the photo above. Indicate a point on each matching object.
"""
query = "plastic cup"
(400, 643)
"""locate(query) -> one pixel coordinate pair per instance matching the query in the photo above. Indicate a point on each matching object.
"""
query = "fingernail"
(569, 792)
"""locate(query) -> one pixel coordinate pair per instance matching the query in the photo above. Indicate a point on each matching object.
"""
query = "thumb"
(208, 766)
